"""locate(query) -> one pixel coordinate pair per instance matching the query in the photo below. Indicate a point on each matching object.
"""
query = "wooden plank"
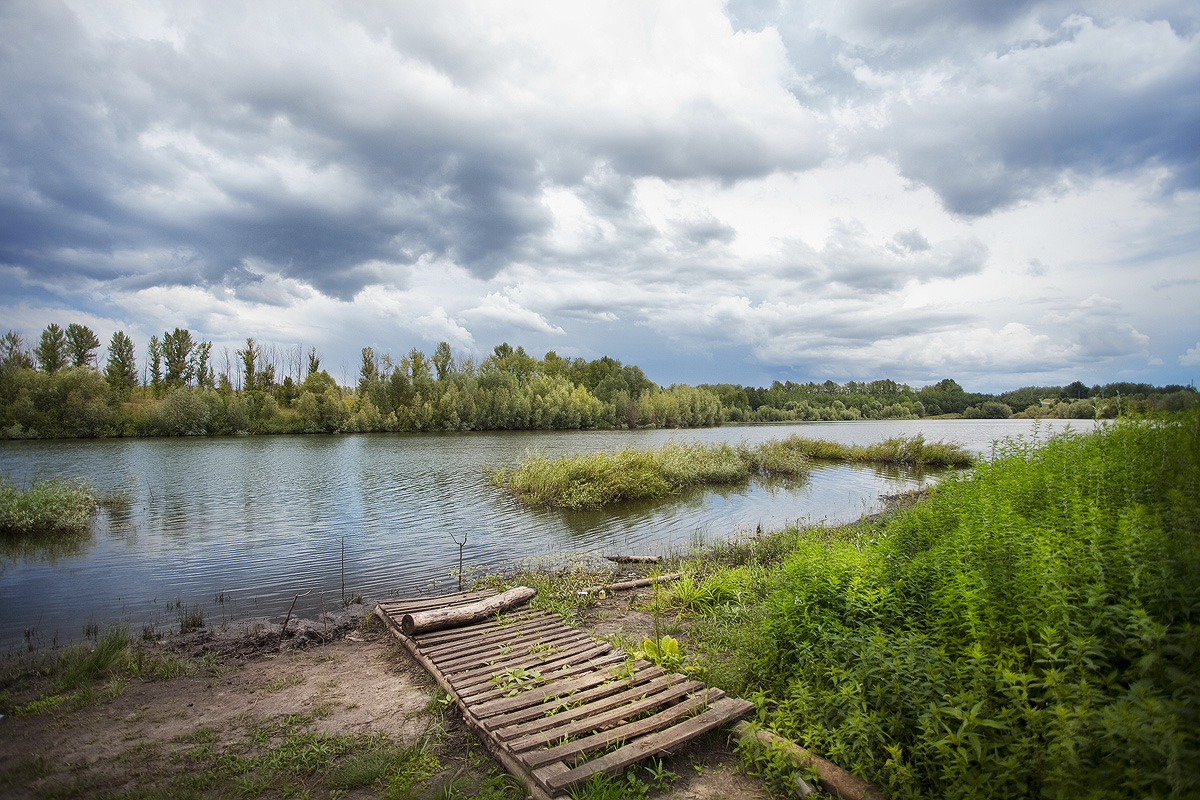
(607, 713)
(423, 603)
(689, 707)
(480, 689)
(487, 625)
(488, 633)
(468, 653)
(660, 743)
(476, 681)
(601, 698)
(590, 687)
(586, 674)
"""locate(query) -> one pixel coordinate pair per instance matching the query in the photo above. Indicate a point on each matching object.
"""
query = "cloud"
(1191, 356)
(500, 308)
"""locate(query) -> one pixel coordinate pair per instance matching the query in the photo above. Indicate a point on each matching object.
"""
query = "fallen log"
(833, 779)
(635, 559)
(626, 585)
(453, 616)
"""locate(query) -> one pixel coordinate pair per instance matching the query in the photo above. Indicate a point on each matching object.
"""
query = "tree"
(81, 345)
(369, 373)
(51, 351)
(121, 371)
(314, 362)
(177, 351)
(249, 357)
(14, 354)
(443, 360)
(204, 371)
(155, 348)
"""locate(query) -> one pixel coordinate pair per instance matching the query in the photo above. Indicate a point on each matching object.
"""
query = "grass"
(598, 479)
(55, 505)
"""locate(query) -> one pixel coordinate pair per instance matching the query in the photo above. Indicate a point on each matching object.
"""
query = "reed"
(55, 505)
(595, 480)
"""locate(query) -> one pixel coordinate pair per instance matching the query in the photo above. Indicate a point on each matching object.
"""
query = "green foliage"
(46, 506)
(664, 652)
(1013, 633)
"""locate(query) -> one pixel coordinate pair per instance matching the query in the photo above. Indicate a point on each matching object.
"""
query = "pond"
(237, 526)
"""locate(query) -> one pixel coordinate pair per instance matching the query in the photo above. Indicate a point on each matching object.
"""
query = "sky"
(1004, 193)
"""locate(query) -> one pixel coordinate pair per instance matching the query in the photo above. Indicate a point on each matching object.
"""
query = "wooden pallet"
(553, 705)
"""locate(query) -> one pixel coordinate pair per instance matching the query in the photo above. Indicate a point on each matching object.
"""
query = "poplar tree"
(121, 370)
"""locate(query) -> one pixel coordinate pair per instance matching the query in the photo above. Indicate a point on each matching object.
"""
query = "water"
(239, 525)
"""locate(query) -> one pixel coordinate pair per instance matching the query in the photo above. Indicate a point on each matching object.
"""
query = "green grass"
(55, 505)
(598, 479)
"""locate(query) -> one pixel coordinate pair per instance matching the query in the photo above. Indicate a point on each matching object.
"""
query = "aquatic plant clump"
(51, 505)
(595, 480)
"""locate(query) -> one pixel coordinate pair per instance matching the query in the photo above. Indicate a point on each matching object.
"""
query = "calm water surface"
(238, 525)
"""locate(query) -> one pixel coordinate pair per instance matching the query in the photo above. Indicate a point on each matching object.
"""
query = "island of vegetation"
(57, 388)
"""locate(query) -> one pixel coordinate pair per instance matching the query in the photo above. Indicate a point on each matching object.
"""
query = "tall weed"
(1031, 629)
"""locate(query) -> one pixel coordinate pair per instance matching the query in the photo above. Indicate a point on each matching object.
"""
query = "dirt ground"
(346, 678)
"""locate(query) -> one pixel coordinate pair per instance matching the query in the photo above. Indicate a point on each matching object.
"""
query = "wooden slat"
(453, 659)
(551, 685)
(660, 743)
(474, 688)
(436, 638)
(601, 698)
(690, 706)
(590, 687)
(607, 714)
(491, 634)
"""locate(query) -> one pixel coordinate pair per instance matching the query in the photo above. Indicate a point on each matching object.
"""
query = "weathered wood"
(595, 695)
(637, 584)
(635, 559)
(689, 707)
(586, 673)
(658, 743)
(438, 619)
(488, 634)
(483, 689)
(451, 660)
(605, 714)
(586, 687)
(832, 778)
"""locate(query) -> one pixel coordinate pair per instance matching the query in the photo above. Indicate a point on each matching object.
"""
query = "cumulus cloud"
(500, 308)
(1191, 356)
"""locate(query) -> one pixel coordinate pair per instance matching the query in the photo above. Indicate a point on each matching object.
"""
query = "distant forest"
(60, 387)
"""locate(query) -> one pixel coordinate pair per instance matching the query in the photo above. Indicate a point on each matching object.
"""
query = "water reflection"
(256, 520)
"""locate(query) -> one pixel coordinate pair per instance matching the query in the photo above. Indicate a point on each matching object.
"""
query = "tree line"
(60, 387)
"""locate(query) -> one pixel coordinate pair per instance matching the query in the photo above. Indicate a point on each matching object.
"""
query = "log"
(833, 779)
(439, 618)
(635, 559)
(637, 584)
